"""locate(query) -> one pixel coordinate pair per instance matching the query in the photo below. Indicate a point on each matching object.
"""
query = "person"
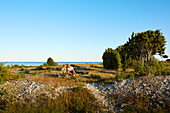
(70, 70)
(63, 70)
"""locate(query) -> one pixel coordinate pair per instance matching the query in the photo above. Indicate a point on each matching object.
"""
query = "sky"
(75, 30)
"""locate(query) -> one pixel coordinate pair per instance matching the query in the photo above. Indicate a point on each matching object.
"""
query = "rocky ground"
(157, 88)
(111, 96)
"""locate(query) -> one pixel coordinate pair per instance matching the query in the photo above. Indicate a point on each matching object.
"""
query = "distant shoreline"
(41, 63)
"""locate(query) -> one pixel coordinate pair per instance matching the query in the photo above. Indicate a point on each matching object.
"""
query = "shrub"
(130, 75)
(6, 75)
(51, 69)
(45, 64)
(78, 88)
(73, 78)
(34, 73)
(63, 74)
(85, 72)
(111, 59)
(95, 76)
(140, 68)
(27, 71)
(22, 69)
(15, 66)
(80, 80)
(119, 76)
(39, 67)
(92, 65)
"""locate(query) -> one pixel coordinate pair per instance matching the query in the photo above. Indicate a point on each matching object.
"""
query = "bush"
(39, 67)
(45, 64)
(140, 68)
(51, 69)
(34, 73)
(27, 71)
(111, 59)
(6, 75)
(95, 76)
(130, 75)
(50, 62)
(63, 74)
(22, 69)
(15, 66)
(119, 76)
(92, 65)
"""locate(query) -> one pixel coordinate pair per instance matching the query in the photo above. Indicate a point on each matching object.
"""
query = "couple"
(69, 70)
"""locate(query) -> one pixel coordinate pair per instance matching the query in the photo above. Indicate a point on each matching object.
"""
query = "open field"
(40, 84)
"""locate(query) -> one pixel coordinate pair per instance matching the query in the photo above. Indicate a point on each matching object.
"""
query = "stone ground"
(157, 88)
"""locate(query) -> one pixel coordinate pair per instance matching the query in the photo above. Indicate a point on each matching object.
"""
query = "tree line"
(139, 47)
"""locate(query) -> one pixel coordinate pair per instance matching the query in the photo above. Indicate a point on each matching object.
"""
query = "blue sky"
(75, 30)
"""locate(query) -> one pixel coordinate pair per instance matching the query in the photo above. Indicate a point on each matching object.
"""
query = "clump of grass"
(22, 69)
(63, 74)
(27, 71)
(51, 69)
(85, 72)
(130, 75)
(34, 73)
(73, 78)
(94, 76)
(80, 80)
(92, 65)
(119, 76)
(3, 91)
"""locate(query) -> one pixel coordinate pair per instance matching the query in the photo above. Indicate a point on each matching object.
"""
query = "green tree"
(142, 46)
(51, 62)
(126, 59)
(111, 59)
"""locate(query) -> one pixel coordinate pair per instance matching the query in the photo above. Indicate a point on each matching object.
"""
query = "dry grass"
(56, 82)
(47, 76)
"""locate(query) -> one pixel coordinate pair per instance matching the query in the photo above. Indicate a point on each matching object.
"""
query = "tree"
(126, 59)
(111, 59)
(51, 62)
(145, 44)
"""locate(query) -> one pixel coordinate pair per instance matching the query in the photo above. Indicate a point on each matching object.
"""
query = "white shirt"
(70, 68)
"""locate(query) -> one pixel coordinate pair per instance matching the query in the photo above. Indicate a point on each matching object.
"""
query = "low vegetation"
(79, 100)
(6, 75)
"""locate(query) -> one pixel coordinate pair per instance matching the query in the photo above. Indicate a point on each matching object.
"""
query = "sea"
(41, 63)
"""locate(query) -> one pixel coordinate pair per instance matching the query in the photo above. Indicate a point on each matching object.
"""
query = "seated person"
(63, 70)
(70, 70)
